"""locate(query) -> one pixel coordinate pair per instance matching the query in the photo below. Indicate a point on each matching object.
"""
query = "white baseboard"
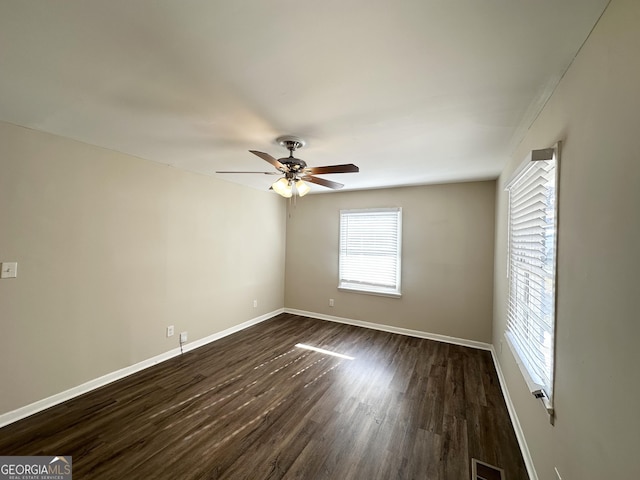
(524, 448)
(225, 333)
(48, 402)
(388, 328)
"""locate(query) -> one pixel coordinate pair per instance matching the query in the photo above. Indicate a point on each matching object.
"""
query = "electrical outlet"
(500, 346)
(331, 303)
(183, 337)
(255, 304)
(170, 331)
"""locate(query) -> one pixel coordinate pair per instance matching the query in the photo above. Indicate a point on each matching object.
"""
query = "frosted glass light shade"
(302, 188)
(282, 187)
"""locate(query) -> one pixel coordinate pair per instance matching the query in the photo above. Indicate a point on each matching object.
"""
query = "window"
(369, 258)
(532, 271)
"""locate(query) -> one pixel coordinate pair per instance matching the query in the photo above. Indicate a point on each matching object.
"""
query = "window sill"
(370, 292)
(533, 385)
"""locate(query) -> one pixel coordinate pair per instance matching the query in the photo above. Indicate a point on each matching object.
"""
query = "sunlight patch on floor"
(326, 352)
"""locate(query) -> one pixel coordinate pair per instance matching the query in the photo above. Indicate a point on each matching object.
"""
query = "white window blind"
(369, 259)
(532, 271)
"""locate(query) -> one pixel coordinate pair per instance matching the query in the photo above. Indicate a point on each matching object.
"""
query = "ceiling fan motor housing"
(294, 165)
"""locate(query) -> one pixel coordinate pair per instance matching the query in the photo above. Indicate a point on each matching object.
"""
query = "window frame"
(539, 387)
(370, 289)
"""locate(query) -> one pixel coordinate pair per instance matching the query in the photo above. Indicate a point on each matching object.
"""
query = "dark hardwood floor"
(253, 405)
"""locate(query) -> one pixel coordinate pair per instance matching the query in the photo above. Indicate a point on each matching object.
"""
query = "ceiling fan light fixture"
(302, 188)
(282, 188)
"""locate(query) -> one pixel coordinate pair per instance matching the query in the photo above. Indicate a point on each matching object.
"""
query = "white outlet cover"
(183, 337)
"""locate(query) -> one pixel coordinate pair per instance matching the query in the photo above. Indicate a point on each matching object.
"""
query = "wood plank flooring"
(254, 406)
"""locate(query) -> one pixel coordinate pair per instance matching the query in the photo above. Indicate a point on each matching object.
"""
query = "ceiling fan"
(296, 172)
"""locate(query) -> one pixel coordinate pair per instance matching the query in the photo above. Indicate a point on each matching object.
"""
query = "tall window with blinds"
(532, 271)
(369, 259)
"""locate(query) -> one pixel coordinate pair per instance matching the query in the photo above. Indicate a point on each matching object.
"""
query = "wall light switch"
(9, 270)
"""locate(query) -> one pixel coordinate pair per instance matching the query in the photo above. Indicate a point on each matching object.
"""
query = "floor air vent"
(484, 471)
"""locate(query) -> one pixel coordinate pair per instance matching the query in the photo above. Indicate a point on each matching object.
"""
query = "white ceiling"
(412, 91)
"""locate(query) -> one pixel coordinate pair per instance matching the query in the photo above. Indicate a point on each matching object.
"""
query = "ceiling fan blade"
(346, 168)
(264, 173)
(269, 158)
(322, 181)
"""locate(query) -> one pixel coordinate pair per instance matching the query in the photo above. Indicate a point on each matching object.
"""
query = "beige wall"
(447, 264)
(596, 112)
(111, 249)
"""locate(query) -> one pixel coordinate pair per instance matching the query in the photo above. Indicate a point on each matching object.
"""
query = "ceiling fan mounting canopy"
(290, 142)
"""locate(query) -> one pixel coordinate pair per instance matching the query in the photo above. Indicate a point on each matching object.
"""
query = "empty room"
(339, 240)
